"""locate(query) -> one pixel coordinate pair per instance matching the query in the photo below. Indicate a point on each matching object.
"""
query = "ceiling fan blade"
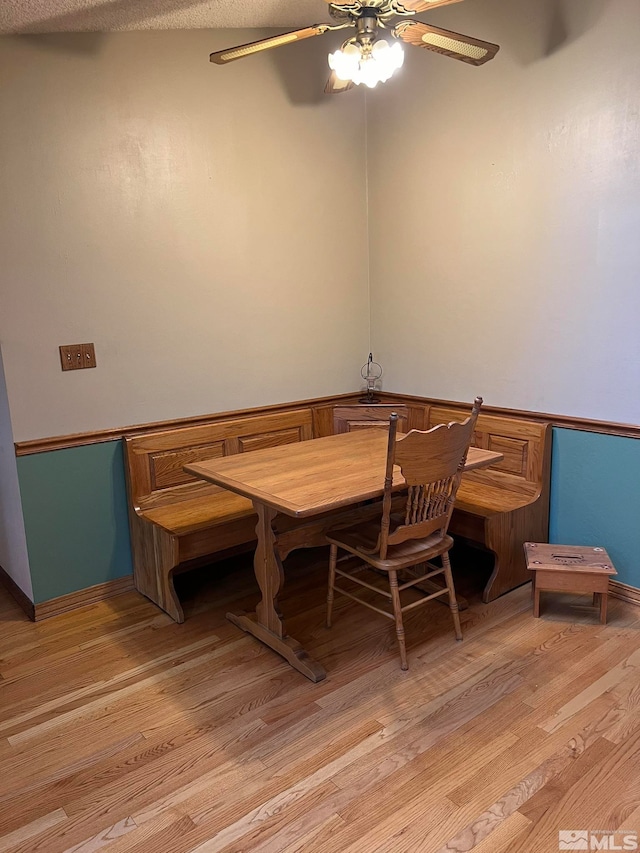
(455, 45)
(335, 85)
(424, 5)
(221, 57)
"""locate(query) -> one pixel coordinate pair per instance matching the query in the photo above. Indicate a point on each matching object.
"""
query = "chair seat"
(364, 536)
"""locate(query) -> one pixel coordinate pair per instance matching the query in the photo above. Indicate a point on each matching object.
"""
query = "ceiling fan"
(365, 58)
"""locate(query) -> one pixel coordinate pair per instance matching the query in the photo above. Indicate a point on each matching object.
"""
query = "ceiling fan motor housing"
(366, 25)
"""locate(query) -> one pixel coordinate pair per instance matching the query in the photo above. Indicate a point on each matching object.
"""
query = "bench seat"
(502, 507)
(200, 513)
(485, 499)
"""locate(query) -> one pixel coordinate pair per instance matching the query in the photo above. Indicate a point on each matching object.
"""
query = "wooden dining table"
(299, 491)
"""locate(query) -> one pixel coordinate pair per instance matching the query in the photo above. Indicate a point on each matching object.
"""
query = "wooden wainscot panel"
(167, 467)
(272, 439)
(322, 421)
(515, 452)
(351, 418)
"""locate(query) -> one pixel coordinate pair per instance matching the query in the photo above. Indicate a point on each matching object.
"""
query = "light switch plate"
(77, 356)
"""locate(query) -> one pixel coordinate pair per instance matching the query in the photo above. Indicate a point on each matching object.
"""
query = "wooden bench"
(501, 507)
(176, 519)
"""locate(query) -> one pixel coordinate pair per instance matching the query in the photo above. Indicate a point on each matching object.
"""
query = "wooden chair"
(431, 463)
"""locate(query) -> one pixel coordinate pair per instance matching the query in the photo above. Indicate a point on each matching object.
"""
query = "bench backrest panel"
(525, 445)
(352, 418)
(155, 461)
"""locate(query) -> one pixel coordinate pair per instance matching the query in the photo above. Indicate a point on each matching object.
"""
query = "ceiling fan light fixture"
(368, 64)
(346, 61)
(365, 59)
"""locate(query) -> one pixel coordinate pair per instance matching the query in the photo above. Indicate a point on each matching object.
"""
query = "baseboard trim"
(81, 598)
(631, 594)
(14, 590)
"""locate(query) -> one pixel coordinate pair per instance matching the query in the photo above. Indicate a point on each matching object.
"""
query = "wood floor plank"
(592, 691)
(403, 831)
(166, 666)
(616, 778)
(105, 837)
(314, 840)
(160, 835)
(23, 801)
(381, 796)
(596, 660)
(550, 768)
(309, 772)
(547, 797)
(123, 732)
(538, 749)
(264, 819)
(628, 708)
(502, 839)
(27, 831)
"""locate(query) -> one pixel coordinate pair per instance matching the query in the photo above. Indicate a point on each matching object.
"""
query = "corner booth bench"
(178, 521)
(502, 507)
(175, 518)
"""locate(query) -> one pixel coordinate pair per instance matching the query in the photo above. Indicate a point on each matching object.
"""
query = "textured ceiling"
(47, 16)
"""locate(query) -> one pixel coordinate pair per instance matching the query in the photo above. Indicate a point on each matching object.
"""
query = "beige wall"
(205, 227)
(505, 212)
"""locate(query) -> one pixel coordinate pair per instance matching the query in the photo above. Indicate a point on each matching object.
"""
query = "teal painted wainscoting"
(75, 514)
(595, 496)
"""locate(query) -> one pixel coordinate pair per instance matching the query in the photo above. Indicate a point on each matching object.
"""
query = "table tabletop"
(310, 477)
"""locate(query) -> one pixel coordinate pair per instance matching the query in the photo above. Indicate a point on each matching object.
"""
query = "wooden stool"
(569, 568)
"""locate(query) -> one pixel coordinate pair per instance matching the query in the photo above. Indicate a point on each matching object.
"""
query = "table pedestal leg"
(266, 624)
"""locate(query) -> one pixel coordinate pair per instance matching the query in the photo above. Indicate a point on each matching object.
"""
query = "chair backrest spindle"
(388, 483)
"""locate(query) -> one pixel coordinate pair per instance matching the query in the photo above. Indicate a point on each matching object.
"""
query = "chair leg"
(453, 604)
(397, 612)
(333, 559)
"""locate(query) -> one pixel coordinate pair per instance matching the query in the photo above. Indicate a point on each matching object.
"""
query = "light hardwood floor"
(123, 731)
